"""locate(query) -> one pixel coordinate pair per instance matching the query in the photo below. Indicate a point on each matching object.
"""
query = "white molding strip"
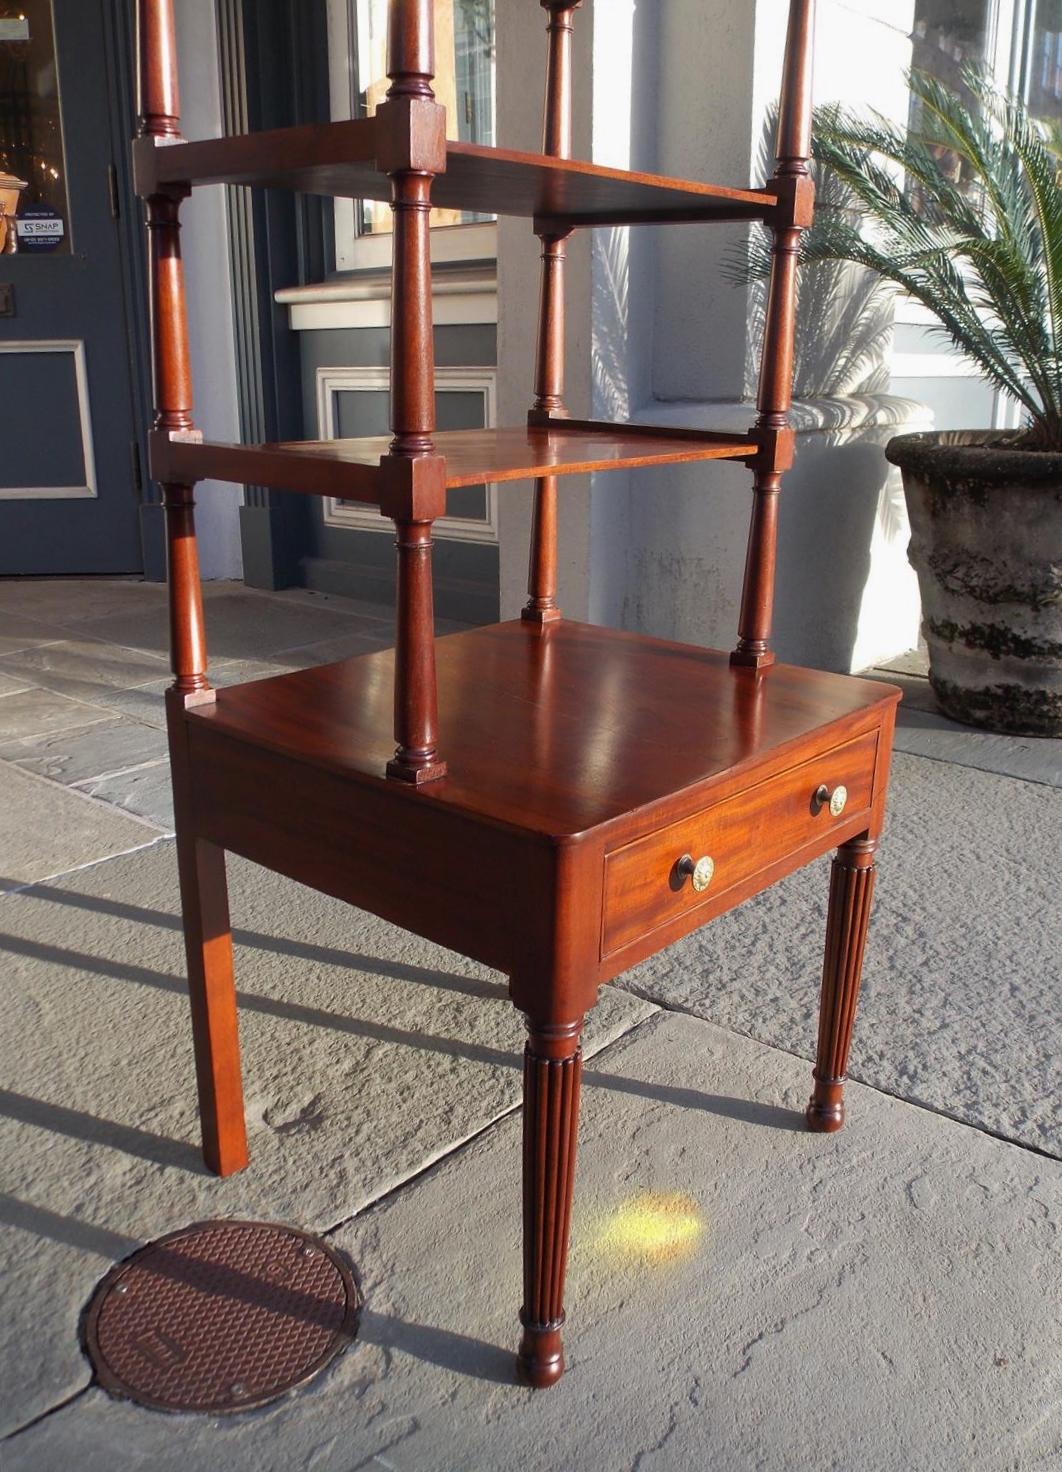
(76, 347)
(461, 297)
(361, 379)
(932, 365)
(450, 244)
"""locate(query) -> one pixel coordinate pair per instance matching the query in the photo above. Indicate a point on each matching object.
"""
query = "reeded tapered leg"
(212, 992)
(851, 890)
(553, 1065)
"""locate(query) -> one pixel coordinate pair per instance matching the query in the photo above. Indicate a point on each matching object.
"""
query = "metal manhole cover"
(220, 1316)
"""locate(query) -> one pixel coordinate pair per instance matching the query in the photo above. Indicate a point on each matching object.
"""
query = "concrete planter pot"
(986, 543)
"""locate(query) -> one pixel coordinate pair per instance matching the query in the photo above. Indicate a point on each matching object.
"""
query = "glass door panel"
(33, 194)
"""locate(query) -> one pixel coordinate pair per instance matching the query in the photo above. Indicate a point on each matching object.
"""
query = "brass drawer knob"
(700, 870)
(836, 801)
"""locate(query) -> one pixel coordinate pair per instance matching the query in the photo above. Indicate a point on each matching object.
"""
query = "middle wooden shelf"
(341, 159)
(350, 469)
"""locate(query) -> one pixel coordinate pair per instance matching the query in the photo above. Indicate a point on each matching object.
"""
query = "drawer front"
(646, 883)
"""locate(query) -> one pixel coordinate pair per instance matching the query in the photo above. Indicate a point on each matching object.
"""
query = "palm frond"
(964, 214)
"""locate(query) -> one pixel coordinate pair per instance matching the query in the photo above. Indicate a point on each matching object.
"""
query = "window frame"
(355, 250)
(335, 379)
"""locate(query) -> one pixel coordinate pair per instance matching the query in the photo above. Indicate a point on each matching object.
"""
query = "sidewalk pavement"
(741, 1294)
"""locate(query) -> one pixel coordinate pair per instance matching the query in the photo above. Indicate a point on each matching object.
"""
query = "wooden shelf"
(350, 468)
(659, 718)
(339, 159)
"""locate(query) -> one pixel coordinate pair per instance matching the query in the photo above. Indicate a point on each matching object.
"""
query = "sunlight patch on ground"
(657, 1226)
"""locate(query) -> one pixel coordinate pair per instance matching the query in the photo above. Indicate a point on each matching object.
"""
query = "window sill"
(461, 296)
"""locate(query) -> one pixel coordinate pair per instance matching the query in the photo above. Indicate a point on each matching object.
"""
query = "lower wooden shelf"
(349, 469)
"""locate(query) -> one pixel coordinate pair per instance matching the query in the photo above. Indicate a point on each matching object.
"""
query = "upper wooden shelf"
(350, 468)
(339, 159)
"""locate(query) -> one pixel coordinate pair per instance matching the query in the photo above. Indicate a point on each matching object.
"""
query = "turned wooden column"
(159, 102)
(200, 865)
(851, 892)
(553, 1066)
(160, 122)
(793, 213)
(413, 150)
(541, 606)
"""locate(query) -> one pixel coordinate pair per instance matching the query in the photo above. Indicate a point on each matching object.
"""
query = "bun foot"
(825, 1111)
(540, 1360)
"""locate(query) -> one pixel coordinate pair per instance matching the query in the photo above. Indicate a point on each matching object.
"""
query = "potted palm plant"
(964, 213)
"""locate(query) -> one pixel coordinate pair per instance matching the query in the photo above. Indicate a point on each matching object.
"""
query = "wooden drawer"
(742, 834)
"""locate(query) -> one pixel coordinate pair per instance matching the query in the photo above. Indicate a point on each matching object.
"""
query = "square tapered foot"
(415, 776)
(745, 659)
(540, 1360)
(541, 616)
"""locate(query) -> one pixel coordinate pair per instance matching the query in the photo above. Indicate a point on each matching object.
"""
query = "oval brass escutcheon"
(701, 871)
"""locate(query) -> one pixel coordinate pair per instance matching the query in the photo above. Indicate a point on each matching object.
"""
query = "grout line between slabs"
(458, 1145)
(138, 848)
(51, 1411)
(159, 761)
(864, 1083)
(970, 766)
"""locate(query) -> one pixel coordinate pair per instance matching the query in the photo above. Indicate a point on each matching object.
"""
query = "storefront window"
(34, 215)
(464, 81)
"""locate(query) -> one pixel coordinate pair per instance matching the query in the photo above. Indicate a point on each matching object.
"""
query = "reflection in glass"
(949, 35)
(464, 82)
(1045, 62)
(31, 129)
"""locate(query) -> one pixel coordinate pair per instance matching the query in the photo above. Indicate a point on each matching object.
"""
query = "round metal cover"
(221, 1316)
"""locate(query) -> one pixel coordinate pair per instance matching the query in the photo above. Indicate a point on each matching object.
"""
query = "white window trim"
(76, 347)
(356, 252)
(332, 380)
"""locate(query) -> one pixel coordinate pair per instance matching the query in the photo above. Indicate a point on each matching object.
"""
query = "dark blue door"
(68, 469)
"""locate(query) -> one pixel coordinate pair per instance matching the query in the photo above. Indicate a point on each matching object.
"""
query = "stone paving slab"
(18, 632)
(84, 668)
(929, 733)
(917, 691)
(367, 1054)
(359, 608)
(922, 729)
(46, 829)
(87, 751)
(32, 712)
(143, 703)
(346, 646)
(914, 662)
(239, 625)
(145, 791)
(68, 601)
(741, 1295)
(962, 996)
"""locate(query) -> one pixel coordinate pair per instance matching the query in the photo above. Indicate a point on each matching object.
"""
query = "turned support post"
(412, 476)
(160, 122)
(159, 103)
(541, 607)
(793, 213)
(553, 1065)
(851, 892)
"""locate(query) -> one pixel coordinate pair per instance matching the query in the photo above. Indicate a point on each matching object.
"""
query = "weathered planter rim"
(964, 454)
